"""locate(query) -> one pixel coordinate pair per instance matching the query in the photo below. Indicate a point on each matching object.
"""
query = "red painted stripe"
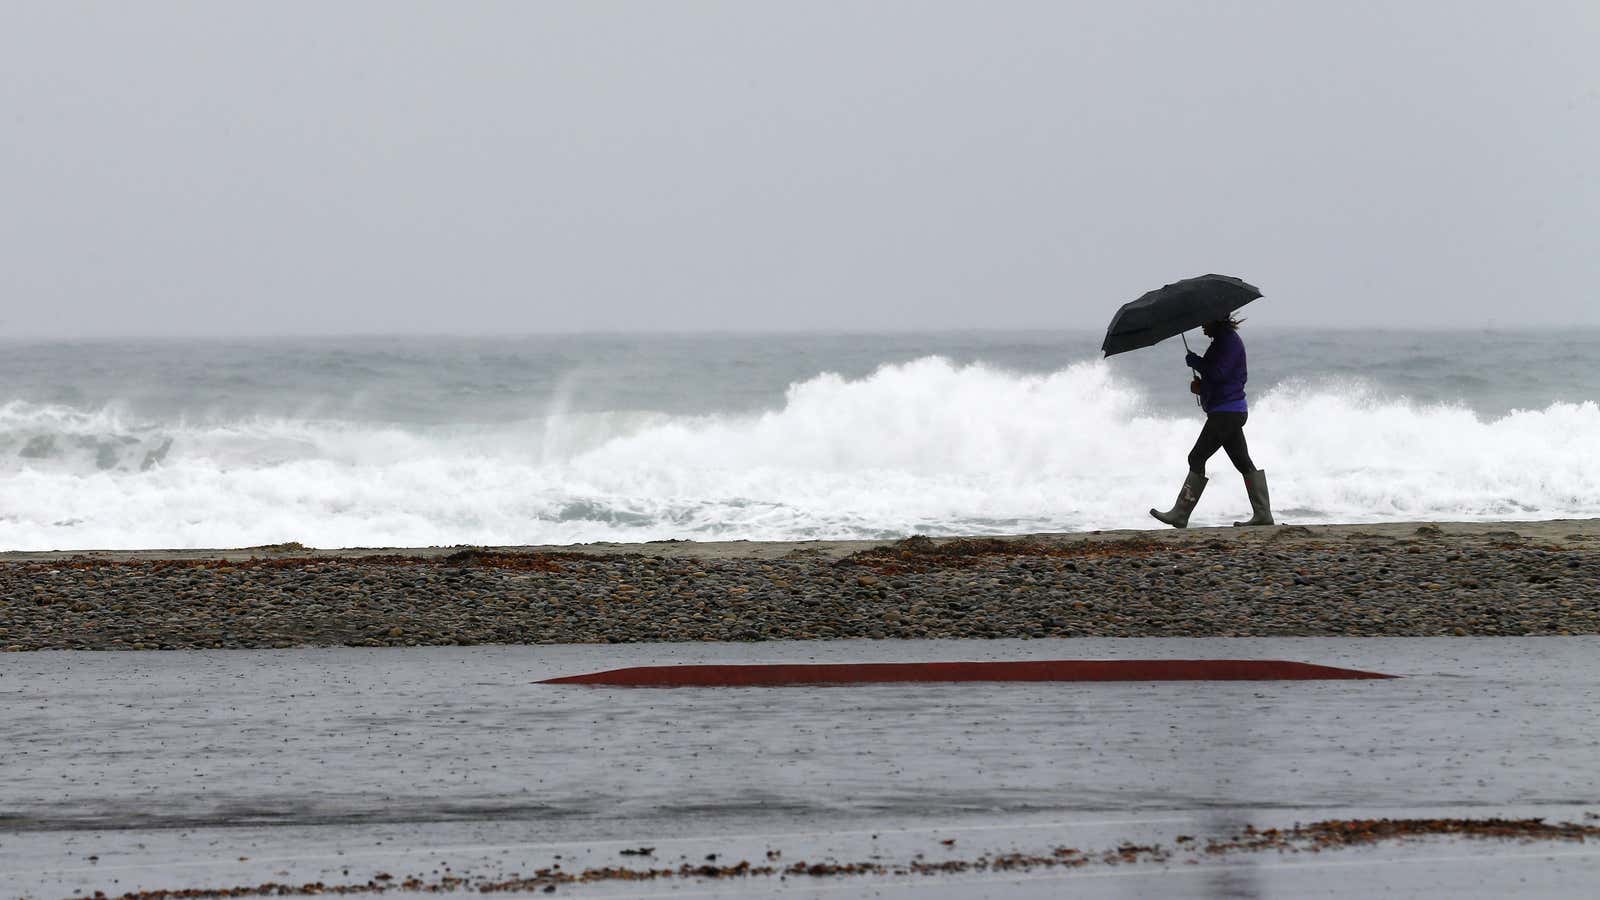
(1033, 670)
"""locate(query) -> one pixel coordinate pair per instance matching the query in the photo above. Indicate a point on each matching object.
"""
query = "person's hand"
(1193, 360)
(1194, 386)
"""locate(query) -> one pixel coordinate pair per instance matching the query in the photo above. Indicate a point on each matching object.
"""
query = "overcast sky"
(302, 168)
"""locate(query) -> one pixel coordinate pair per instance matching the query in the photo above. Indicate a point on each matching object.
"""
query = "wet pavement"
(126, 771)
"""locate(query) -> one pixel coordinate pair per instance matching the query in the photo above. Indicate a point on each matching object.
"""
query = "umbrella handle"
(1185, 336)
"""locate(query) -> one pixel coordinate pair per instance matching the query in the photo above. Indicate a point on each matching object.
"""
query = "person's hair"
(1232, 322)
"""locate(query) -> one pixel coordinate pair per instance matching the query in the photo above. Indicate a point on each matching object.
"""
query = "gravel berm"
(1413, 579)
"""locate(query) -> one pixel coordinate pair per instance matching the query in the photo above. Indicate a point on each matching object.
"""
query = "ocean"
(410, 441)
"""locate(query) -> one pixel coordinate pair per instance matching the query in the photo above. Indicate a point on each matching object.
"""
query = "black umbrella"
(1175, 309)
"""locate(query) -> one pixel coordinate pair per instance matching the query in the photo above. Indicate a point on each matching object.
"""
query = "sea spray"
(927, 446)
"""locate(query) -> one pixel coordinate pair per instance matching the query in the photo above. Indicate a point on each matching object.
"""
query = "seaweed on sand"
(922, 553)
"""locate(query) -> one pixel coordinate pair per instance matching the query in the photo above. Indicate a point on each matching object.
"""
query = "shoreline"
(1391, 579)
(1554, 531)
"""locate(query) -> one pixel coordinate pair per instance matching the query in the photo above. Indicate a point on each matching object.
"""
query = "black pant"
(1225, 430)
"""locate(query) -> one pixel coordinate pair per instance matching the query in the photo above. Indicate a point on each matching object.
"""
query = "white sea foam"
(925, 446)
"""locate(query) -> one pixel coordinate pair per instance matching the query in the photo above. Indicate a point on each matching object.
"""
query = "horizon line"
(1521, 328)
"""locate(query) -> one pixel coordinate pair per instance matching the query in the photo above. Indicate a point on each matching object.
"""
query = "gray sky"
(282, 167)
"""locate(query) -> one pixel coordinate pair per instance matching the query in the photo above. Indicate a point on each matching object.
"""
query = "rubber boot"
(1178, 516)
(1255, 484)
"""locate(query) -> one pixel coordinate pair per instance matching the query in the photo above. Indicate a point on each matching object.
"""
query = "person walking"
(1220, 385)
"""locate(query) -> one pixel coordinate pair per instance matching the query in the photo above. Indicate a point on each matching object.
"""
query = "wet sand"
(211, 770)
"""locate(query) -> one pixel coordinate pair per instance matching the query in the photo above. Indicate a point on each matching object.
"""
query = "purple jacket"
(1222, 374)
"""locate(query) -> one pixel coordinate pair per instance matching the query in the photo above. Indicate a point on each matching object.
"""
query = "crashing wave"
(926, 446)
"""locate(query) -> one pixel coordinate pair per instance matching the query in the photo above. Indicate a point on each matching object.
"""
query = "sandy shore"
(1546, 531)
(1414, 579)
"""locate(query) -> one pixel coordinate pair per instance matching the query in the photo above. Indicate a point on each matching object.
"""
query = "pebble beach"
(1413, 579)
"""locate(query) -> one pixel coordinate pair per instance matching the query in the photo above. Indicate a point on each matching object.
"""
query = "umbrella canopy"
(1175, 309)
